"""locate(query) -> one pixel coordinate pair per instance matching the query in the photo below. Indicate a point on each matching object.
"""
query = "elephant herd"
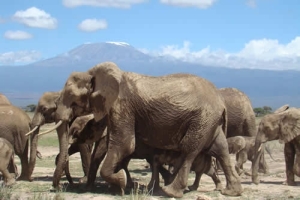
(181, 120)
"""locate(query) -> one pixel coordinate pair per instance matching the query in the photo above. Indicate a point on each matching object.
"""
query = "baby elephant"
(243, 147)
(202, 164)
(7, 157)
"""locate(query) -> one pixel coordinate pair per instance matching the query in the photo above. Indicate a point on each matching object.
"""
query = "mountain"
(24, 84)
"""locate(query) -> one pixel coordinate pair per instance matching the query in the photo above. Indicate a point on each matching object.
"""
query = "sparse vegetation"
(261, 111)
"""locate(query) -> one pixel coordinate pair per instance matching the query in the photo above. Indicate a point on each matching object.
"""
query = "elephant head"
(94, 91)
(283, 124)
(44, 113)
(86, 130)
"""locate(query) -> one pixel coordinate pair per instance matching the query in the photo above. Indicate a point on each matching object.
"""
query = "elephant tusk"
(259, 148)
(55, 127)
(31, 131)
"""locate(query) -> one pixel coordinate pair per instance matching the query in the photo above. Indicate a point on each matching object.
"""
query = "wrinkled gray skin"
(44, 114)
(201, 164)
(14, 124)
(241, 117)
(283, 124)
(243, 148)
(175, 112)
(86, 130)
(6, 157)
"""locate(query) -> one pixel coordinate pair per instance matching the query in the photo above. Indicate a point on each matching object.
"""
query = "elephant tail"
(268, 150)
(225, 121)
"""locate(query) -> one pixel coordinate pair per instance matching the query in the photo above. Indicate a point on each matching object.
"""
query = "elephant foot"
(121, 175)
(255, 180)
(219, 187)
(291, 183)
(232, 192)
(193, 187)
(248, 173)
(24, 178)
(10, 182)
(263, 171)
(172, 192)
(116, 190)
(83, 179)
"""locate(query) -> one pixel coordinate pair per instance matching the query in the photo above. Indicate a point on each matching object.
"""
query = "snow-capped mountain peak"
(118, 43)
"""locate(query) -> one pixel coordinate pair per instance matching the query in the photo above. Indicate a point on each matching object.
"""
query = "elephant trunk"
(62, 132)
(258, 150)
(33, 152)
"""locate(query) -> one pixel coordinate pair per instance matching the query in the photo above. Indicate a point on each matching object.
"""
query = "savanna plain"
(271, 187)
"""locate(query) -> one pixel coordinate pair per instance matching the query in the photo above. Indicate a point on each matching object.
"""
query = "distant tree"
(30, 108)
(258, 111)
(267, 109)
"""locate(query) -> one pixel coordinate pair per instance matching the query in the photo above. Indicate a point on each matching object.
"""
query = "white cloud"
(251, 3)
(202, 4)
(34, 17)
(90, 25)
(19, 57)
(102, 3)
(17, 35)
(259, 54)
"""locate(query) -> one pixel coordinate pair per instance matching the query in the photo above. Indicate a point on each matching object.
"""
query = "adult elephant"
(283, 124)
(44, 114)
(241, 118)
(180, 112)
(14, 124)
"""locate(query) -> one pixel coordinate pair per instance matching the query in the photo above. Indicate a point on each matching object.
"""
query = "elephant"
(7, 157)
(241, 117)
(282, 125)
(243, 147)
(14, 124)
(85, 130)
(45, 113)
(180, 112)
(202, 164)
(4, 100)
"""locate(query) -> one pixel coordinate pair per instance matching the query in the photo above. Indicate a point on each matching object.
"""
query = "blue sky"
(242, 34)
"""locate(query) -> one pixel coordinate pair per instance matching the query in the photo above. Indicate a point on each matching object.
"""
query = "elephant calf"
(244, 148)
(7, 157)
(202, 164)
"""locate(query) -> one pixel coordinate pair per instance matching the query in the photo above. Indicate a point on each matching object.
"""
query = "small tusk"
(31, 131)
(55, 127)
(259, 148)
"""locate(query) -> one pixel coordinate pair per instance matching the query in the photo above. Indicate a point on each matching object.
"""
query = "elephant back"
(241, 117)
(4, 100)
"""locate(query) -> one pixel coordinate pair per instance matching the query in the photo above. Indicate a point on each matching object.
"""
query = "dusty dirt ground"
(271, 186)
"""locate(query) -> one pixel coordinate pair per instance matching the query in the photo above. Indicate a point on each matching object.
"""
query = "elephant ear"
(282, 108)
(106, 83)
(289, 125)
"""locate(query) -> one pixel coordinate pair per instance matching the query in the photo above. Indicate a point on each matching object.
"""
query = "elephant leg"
(24, 164)
(98, 155)
(9, 179)
(214, 176)
(166, 175)
(196, 182)
(219, 149)
(154, 182)
(241, 159)
(263, 166)
(85, 154)
(289, 155)
(124, 165)
(12, 167)
(121, 144)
